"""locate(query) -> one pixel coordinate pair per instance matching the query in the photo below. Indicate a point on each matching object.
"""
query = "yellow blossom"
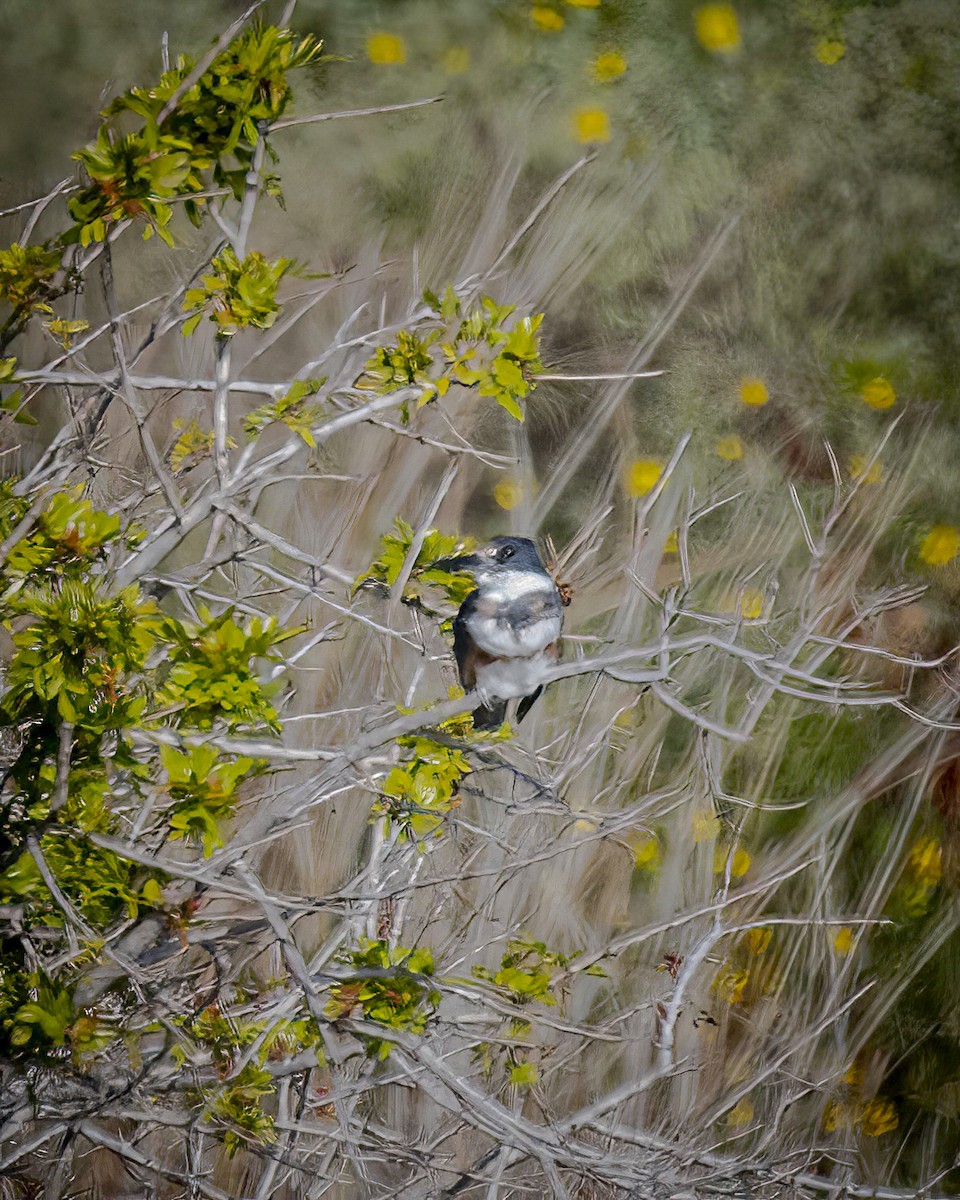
(584, 3)
(647, 852)
(730, 984)
(940, 545)
(877, 1117)
(717, 28)
(858, 469)
(878, 393)
(753, 391)
(751, 604)
(742, 1113)
(838, 1116)
(729, 447)
(456, 60)
(591, 125)
(758, 939)
(854, 1075)
(385, 49)
(643, 476)
(923, 862)
(609, 66)
(546, 18)
(705, 825)
(739, 865)
(829, 51)
(843, 940)
(672, 544)
(508, 493)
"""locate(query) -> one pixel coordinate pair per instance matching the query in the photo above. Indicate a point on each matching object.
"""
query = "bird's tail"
(490, 716)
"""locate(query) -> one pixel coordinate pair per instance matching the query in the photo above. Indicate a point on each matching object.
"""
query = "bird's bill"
(462, 562)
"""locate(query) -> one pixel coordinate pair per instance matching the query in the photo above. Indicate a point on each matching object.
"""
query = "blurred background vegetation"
(772, 195)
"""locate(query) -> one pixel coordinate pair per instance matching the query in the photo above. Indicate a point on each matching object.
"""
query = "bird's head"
(500, 556)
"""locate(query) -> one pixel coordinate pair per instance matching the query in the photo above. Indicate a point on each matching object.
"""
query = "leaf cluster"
(214, 675)
(394, 548)
(237, 295)
(419, 792)
(476, 350)
(390, 987)
(291, 410)
(208, 137)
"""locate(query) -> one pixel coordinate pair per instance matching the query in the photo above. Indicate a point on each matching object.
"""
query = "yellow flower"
(546, 18)
(923, 862)
(643, 476)
(609, 66)
(706, 825)
(878, 393)
(837, 1116)
(508, 493)
(647, 853)
(753, 391)
(854, 1075)
(738, 867)
(591, 125)
(729, 447)
(940, 545)
(717, 28)
(385, 49)
(751, 604)
(843, 940)
(877, 1117)
(758, 939)
(858, 469)
(829, 51)
(742, 1113)
(456, 60)
(730, 984)
(584, 3)
(672, 544)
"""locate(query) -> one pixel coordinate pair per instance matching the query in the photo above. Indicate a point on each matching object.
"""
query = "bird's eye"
(505, 553)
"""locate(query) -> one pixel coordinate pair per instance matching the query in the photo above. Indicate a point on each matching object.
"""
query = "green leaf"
(505, 400)
(524, 1074)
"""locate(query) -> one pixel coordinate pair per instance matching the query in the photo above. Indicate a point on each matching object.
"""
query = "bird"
(505, 635)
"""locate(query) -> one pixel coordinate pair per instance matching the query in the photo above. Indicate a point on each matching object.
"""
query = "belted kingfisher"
(505, 634)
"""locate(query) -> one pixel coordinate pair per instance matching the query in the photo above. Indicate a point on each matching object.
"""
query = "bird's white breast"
(508, 678)
(497, 636)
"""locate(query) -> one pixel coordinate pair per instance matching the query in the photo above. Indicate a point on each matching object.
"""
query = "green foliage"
(133, 175)
(26, 276)
(237, 295)
(192, 446)
(394, 548)
(207, 138)
(528, 971)
(73, 652)
(68, 537)
(477, 350)
(84, 668)
(13, 401)
(506, 375)
(291, 409)
(239, 1105)
(223, 1032)
(40, 1018)
(390, 987)
(418, 793)
(202, 786)
(213, 675)
(404, 365)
